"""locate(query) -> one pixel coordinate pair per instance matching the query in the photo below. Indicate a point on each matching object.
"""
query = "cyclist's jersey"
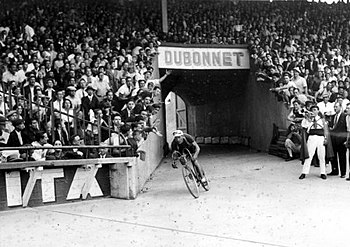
(187, 143)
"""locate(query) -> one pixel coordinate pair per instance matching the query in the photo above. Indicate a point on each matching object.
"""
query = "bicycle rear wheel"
(190, 181)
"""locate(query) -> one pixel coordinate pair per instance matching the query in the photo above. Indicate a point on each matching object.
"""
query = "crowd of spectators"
(78, 72)
(299, 47)
(84, 68)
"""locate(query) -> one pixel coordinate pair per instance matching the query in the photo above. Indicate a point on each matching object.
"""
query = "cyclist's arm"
(196, 153)
(173, 147)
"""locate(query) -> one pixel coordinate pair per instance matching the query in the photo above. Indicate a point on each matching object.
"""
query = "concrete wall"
(218, 118)
(153, 148)
(261, 110)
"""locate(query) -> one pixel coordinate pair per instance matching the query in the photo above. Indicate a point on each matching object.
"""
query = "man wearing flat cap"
(16, 139)
(89, 102)
(11, 116)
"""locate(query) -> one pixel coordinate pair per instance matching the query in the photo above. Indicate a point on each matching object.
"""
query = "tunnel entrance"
(212, 84)
(223, 98)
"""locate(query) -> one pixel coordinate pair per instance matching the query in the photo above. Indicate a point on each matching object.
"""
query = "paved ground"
(255, 200)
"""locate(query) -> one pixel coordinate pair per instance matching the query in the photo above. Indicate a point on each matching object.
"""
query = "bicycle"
(190, 173)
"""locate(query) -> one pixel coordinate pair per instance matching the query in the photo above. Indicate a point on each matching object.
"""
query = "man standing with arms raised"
(316, 127)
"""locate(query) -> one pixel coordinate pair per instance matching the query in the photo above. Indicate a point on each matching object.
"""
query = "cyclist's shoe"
(174, 165)
(204, 182)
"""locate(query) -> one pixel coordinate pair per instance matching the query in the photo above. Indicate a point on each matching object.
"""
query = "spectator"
(75, 153)
(293, 142)
(90, 102)
(16, 138)
(41, 139)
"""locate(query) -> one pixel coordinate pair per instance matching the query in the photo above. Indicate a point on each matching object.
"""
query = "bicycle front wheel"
(190, 181)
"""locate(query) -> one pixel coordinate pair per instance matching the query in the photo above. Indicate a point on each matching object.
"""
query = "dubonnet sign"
(203, 58)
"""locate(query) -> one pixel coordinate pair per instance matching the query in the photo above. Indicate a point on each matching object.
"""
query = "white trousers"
(315, 143)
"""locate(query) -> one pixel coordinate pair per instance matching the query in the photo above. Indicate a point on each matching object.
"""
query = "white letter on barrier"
(48, 183)
(13, 188)
(79, 180)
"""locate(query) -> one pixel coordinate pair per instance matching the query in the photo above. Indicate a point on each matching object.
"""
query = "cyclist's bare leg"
(199, 168)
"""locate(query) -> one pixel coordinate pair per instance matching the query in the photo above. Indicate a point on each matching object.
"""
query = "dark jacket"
(338, 130)
(13, 140)
(86, 105)
(124, 114)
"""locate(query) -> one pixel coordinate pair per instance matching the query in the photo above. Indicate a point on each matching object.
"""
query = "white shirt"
(29, 31)
(310, 124)
(38, 154)
(81, 93)
(326, 108)
(19, 137)
(7, 77)
(124, 90)
(300, 82)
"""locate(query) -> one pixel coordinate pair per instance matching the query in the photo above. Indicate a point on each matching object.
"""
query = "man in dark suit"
(89, 102)
(75, 153)
(338, 137)
(30, 131)
(128, 112)
(29, 89)
(15, 138)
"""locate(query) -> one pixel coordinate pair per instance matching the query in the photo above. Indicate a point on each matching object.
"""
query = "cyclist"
(184, 141)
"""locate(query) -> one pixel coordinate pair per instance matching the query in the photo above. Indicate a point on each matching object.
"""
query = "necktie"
(315, 123)
(336, 119)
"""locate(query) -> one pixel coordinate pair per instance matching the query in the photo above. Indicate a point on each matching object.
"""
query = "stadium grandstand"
(91, 91)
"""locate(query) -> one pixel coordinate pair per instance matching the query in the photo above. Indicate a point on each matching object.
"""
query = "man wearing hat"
(71, 90)
(299, 81)
(89, 102)
(316, 127)
(16, 139)
(184, 141)
(11, 116)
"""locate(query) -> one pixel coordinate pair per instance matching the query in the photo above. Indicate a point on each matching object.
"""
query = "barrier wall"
(261, 111)
(60, 181)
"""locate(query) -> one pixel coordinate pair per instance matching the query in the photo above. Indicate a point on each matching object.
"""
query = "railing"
(121, 151)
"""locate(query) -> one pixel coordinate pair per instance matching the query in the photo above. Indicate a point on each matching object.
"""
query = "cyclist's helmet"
(178, 133)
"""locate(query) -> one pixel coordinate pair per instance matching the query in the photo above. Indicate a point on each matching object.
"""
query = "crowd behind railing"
(78, 73)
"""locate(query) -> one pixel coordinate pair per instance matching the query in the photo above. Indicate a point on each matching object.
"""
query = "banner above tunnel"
(203, 58)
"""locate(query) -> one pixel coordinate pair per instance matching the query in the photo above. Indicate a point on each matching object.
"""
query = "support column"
(165, 16)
